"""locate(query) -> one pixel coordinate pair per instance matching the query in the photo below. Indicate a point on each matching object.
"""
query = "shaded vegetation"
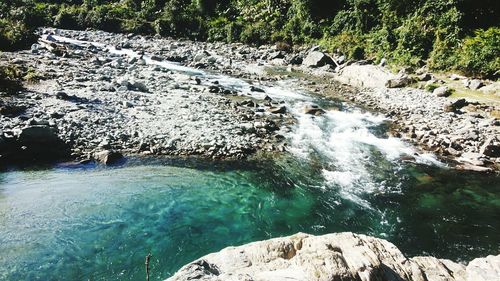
(444, 34)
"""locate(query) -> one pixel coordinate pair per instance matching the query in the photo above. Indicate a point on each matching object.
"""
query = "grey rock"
(490, 148)
(475, 84)
(317, 59)
(442, 91)
(277, 110)
(38, 134)
(340, 256)
(399, 82)
(108, 157)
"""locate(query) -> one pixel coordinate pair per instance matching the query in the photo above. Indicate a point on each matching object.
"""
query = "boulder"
(399, 82)
(277, 110)
(424, 77)
(442, 91)
(484, 269)
(38, 135)
(475, 84)
(456, 105)
(317, 59)
(490, 148)
(108, 157)
(11, 110)
(341, 256)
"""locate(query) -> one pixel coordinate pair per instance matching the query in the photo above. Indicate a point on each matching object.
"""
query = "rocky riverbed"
(340, 256)
(104, 93)
(99, 104)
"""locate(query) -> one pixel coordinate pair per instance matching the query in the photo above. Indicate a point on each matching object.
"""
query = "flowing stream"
(343, 173)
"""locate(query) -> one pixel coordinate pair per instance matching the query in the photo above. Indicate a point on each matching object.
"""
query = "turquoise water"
(99, 223)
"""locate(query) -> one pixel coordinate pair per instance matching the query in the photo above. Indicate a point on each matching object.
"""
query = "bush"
(256, 34)
(15, 35)
(71, 17)
(480, 54)
(218, 29)
(10, 78)
(350, 44)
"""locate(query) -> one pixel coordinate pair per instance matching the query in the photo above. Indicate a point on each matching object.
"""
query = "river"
(342, 173)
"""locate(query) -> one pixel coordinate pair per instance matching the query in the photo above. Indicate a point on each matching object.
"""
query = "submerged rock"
(340, 256)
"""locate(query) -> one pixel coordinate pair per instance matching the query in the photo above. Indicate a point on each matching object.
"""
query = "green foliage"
(15, 35)
(480, 54)
(10, 78)
(347, 43)
(71, 17)
(405, 32)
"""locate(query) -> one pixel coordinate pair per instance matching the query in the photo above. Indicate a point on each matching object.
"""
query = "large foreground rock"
(341, 256)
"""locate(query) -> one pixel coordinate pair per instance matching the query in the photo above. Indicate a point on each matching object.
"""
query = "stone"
(424, 77)
(256, 89)
(11, 110)
(340, 256)
(484, 269)
(490, 148)
(475, 84)
(399, 82)
(139, 86)
(442, 91)
(108, 157)
(277, 110)
(456, 105)
(38, 134)
(317, 59)
(313, 109)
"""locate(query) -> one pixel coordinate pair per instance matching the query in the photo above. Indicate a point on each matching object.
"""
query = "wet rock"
(340, 256)
(277, 110)
(442, 91)
(313, 109)
(108, 157)
(317, 59)
(256, 89)
(62, 96)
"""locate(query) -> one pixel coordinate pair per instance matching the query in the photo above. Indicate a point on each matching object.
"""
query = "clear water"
(99, 223)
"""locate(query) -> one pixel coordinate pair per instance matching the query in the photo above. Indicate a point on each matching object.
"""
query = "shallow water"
(343, 173)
